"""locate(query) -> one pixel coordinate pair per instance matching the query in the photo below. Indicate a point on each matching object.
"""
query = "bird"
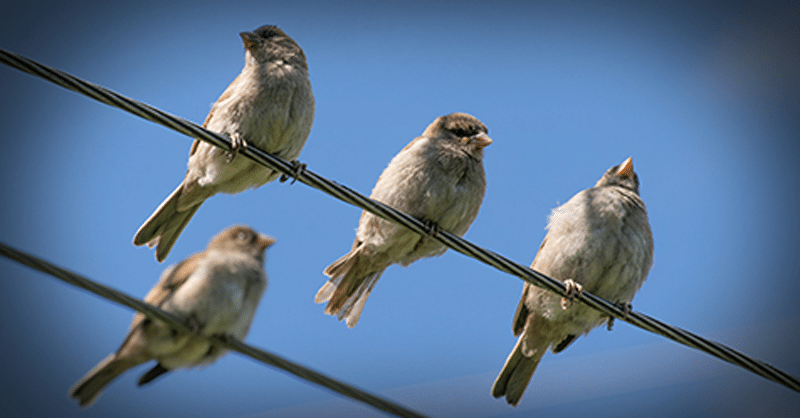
(270, 105)
(599, 241)
(439, 179)
(215, 292)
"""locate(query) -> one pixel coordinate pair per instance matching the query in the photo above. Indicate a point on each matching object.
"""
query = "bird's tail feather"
(352, 279)
(164, 226)
(90, 386)
(518, 370)
(351, 311)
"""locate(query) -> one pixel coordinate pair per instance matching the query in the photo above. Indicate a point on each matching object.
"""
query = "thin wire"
(229, 343)
(354, 198)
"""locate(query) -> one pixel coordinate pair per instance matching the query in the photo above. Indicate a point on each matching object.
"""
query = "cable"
(354, 198)
(229, 343)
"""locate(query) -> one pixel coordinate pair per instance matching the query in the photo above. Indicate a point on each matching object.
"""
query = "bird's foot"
(194, 324)
(626, 308)
(225, 338)
(573, 289)
(214, 350)
(297, 169)
(237, 143)
(432, 230)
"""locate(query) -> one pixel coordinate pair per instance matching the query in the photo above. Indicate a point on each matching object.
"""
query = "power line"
(229, 343)
(352, 197)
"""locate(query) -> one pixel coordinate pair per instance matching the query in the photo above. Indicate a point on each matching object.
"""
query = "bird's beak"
(626, 168)
(250, 40)
(481, 140)
(265, 241)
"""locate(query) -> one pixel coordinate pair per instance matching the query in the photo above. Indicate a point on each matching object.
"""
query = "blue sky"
(705, 97)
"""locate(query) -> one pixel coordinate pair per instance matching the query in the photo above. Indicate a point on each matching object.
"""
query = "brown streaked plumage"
(599, 240)
(269, 105)
(439, 179)
(216, 292)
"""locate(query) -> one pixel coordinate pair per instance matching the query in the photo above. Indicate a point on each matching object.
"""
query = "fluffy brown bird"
(439, 179)
(599, 241)
(216, 292)
(269, 105)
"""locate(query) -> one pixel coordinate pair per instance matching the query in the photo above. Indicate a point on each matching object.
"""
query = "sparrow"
(439, 179)
(216, 292)
(599, 241)
(270, 105)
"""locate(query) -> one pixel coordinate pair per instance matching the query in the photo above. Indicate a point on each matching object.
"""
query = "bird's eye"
(459, 132)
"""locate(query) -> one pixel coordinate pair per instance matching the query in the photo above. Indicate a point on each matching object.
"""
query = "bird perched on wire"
(599, 241)
(216, 292)
(270, 105)
(439, 179)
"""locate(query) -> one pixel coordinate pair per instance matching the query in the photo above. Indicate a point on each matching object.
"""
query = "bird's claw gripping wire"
(237, 143)
(573, 289)
(433, 229)
(297, 170)
(626, 308)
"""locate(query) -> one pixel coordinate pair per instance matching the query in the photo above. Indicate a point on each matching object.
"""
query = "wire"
(352, 197)
(229, 343)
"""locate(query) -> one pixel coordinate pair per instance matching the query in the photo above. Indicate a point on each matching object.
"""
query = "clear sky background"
(704, 96)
